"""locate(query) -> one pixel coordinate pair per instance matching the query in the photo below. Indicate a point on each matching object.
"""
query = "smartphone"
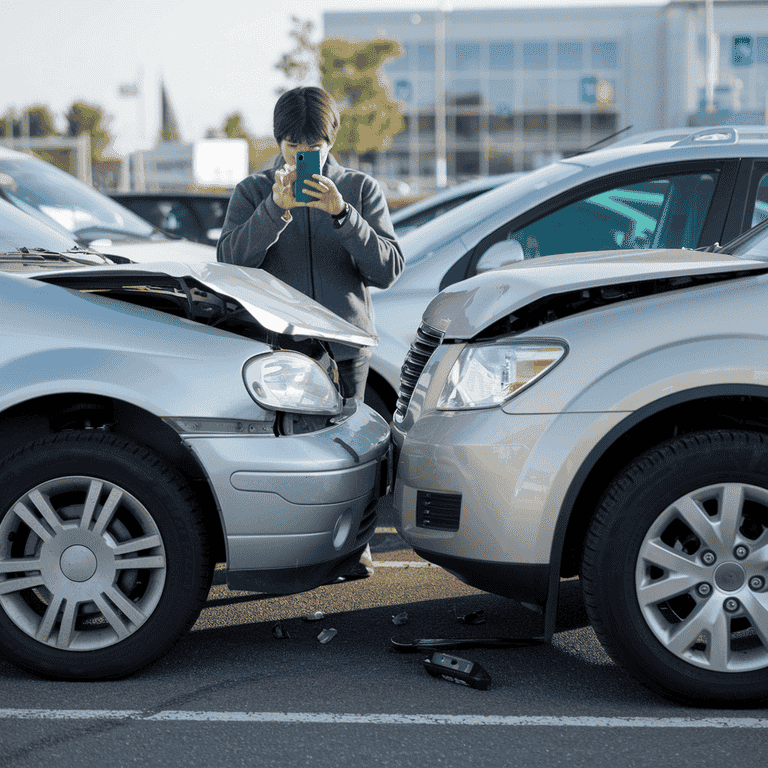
(307, 163)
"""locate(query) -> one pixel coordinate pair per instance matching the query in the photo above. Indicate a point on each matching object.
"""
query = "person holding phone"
(331, 239)
(334, 245)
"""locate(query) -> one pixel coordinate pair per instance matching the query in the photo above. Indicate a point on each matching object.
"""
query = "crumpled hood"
(150, 251)
(466, 308)
(275, 305)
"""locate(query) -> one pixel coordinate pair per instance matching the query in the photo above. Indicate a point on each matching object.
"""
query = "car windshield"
(752, 245)
(72, 206)
(420, 242)
(20, 230)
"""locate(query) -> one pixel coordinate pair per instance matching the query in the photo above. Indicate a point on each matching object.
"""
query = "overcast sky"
(215, 56)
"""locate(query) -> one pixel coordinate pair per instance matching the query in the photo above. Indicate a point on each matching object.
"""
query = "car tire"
(107, 543)
(674, 575)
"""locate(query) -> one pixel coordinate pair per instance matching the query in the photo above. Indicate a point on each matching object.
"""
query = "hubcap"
(82, 563)
(78, 563)
(723, 628)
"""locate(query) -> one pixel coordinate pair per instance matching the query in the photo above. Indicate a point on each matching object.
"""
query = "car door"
(750, 198)
(672, 206)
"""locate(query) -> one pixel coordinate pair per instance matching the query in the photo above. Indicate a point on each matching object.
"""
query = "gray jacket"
(333, 266)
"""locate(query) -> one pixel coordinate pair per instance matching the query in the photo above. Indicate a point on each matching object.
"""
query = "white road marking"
(402, 564)
(385, 719)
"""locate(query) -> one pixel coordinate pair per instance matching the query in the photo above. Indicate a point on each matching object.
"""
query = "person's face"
(289, 148)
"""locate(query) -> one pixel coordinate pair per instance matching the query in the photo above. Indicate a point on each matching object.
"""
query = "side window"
(760, 212)
(659, 213)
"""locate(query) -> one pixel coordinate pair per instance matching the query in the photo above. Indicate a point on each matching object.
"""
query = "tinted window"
(659, 213)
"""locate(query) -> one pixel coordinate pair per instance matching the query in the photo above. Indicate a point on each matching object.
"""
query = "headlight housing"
(487, 375)
(290, 381)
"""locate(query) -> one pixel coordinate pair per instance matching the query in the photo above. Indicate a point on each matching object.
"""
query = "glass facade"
(510, 105)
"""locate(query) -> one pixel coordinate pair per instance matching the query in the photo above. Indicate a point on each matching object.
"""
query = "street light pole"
(441, 165)
(713, 54)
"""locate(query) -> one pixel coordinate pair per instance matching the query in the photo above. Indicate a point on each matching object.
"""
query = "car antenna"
(601, 141)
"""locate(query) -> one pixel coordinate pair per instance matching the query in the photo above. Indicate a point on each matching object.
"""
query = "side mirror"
(501, 254)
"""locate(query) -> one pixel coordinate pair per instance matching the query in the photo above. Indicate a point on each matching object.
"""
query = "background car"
(93, 219)
(194, 216)
(158, 419)
(412, 216)
(605, 414)
(668, 191)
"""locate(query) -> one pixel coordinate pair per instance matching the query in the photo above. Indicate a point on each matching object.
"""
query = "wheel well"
(50, 414)
(382, 387)
(721, 412)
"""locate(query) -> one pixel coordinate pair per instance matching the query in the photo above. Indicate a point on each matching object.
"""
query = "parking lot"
(232, 693)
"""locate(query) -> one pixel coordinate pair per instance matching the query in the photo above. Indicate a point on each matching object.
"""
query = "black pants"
(352, 376)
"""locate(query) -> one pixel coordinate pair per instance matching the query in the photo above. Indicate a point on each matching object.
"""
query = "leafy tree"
(10, 125)
(41, 122)
(85, 118)
(303, 62)
(352, 72)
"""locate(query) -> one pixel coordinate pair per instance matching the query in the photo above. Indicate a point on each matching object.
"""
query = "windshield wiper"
(73, 254)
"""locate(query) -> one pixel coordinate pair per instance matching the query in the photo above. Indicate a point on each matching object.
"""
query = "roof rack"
(719, 135)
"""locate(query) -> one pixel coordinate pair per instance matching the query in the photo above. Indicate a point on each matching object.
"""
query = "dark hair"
(306, 114)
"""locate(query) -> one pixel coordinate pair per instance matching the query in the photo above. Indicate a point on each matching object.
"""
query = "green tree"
(352, 72)
(302, 63)
(85, 118)
(10, 125)
(41, 122)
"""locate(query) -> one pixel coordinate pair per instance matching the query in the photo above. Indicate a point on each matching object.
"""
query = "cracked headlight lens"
(290, 381)
(487, 375)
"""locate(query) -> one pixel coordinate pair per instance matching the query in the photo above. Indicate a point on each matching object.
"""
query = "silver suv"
(666, 189)
(606, 415)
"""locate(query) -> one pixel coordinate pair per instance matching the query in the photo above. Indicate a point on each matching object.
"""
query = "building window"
(425, 92)
(570, 55)
(401, 63)
(464, 93)
(467, 163)
(501, 124)
(535, 54)
(467, 126)
(568, 92)
(535, 92)
(501, 57)
(535, 122)
(603, 121)
(761, 50)
(502, 96)
(604, 55)
(567, 123)
(500, 162)
(427, 164)
(463, 56)
(425, 57)
(426, 125)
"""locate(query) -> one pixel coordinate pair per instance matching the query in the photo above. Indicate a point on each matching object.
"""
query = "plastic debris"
(400, 619)
(316, 616)
(423, 644)
(327, 635)
(478, 617)
(456, 670)
(279, 631)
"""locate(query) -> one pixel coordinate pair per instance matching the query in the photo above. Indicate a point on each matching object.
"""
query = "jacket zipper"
(311, 264)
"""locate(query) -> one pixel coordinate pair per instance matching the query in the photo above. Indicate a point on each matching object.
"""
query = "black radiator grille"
(438, 511)
(426, 342)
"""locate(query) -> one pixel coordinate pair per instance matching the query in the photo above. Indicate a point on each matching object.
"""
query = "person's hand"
(327, 197)
(282, 193)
